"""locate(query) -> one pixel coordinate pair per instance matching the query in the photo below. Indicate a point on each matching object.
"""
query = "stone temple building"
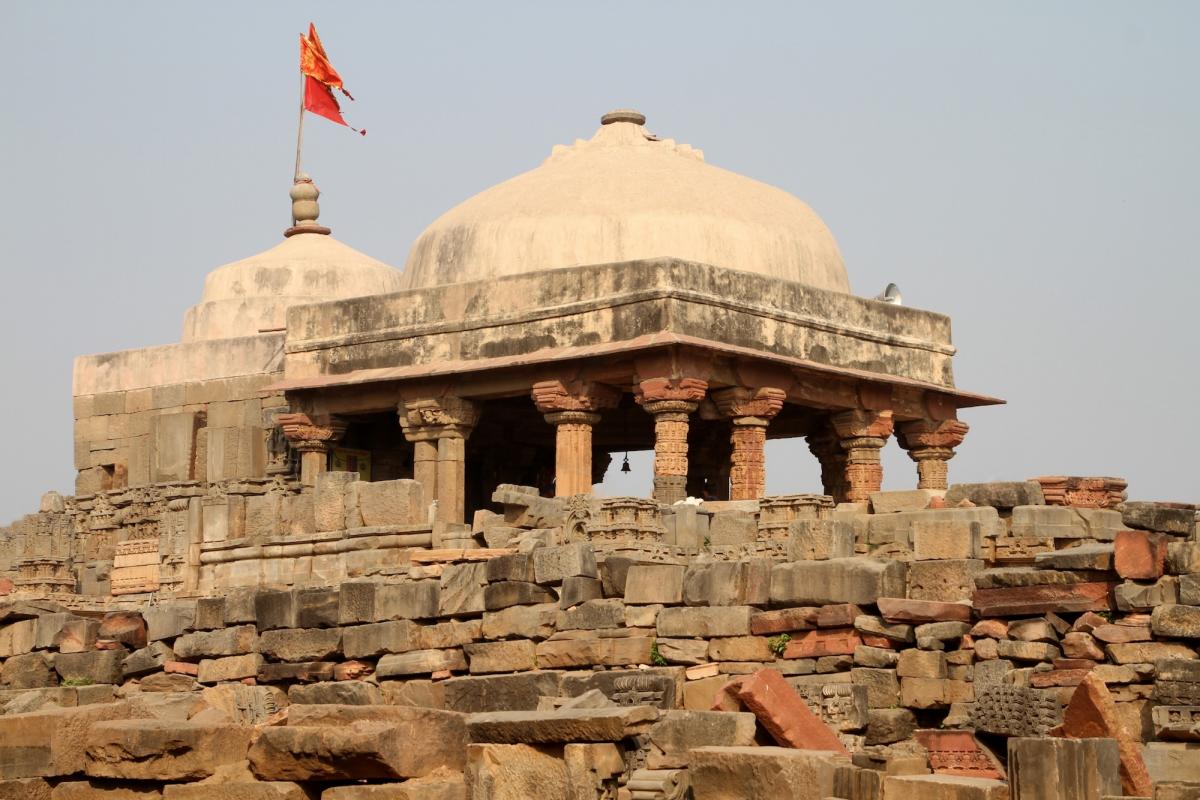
(341, 541)
(623, 295)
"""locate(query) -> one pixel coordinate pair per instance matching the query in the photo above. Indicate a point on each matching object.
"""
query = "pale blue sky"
(1028, 168)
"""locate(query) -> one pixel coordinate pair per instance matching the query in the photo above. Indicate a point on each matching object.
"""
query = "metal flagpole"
(299, 130)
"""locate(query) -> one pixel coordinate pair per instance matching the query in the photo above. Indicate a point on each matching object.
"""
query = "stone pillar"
(750, 411)
(671, 401)
(438, 428)
(862, 434)
(572, 408)
(312, 437)
(931, 444)
(824, 444)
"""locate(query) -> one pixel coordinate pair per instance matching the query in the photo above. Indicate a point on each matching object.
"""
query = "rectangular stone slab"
(1026, 600)
(569, 725)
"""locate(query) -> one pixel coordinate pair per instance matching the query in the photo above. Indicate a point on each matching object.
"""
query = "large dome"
(624, 195)
(252, 296)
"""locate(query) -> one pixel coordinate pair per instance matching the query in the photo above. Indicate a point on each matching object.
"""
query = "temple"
(342, 541)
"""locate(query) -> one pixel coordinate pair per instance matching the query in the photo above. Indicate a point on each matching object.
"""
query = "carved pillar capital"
(749, 406)
(931, 443)
(556, 395)
(437, 418)
(311, 434)
(312, 437)
(686, 391)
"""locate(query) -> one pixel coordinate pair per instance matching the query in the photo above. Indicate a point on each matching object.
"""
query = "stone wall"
(194, 411)
(997, 648)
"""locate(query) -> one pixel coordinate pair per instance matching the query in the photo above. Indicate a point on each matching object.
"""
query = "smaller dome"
(252, 296)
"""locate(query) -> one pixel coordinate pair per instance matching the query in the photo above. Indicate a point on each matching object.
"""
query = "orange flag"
(320, 79)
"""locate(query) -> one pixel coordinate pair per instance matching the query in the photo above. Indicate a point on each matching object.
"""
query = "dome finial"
(305, 209)
(623, 115)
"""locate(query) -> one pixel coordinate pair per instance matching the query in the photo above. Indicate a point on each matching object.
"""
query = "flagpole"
(299, 131)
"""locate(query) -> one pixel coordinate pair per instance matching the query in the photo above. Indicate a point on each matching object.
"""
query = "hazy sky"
(1028, 168)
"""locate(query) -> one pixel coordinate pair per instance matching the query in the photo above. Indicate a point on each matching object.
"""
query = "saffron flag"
(320, 79)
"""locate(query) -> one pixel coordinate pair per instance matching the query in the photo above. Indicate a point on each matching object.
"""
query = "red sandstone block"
(874, 640)
(841, 615)
(784, 620)
(1058, 677)
(785, 715)
(6, 586)
(1140, 554)
(1073, 663)
(899, 609)
(126, 627)
(1019, 601)
(1093, 714)
(824, 642)
(958, 753)
(181, 667)
(352, 670)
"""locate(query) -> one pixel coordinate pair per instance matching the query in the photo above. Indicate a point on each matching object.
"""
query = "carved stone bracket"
(556, 395)
(931, 443)
(437, 418)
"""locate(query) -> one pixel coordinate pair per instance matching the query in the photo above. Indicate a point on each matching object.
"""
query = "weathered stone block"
(398, 502)
(28, 671)
(301, 644)
(274, 609)
(96, 666)
(149, 659)
(563, 725)
(615, 652)
(164, 750)
(357, 750)
(1063, 769)
(943, 787)
(706, 622)
(525, 622)
(845, 580)
(935, 540)
(1140, 554)
(726, 773)
(519, 692)
(785, 714)
(17, 638)
(820, 539)
(1000, 494)
(409, 600)
(1174, 518)
(1170, 762)
(515, 771)
(212, 644)
(728, 583)
(552, 564)
(950, 580)
(462, 589)
(593, 615)
(346, 693)
(505, 594)
(420, 662)
(329, 500)
(510, 656)
(654, 583)
(577, 589)
(230, 668)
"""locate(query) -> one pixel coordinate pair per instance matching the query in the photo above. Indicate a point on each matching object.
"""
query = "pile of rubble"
(981, 645)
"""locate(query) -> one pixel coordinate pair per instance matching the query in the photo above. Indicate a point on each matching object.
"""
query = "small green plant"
(656, 657)
(778, 644)
(78, 682)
